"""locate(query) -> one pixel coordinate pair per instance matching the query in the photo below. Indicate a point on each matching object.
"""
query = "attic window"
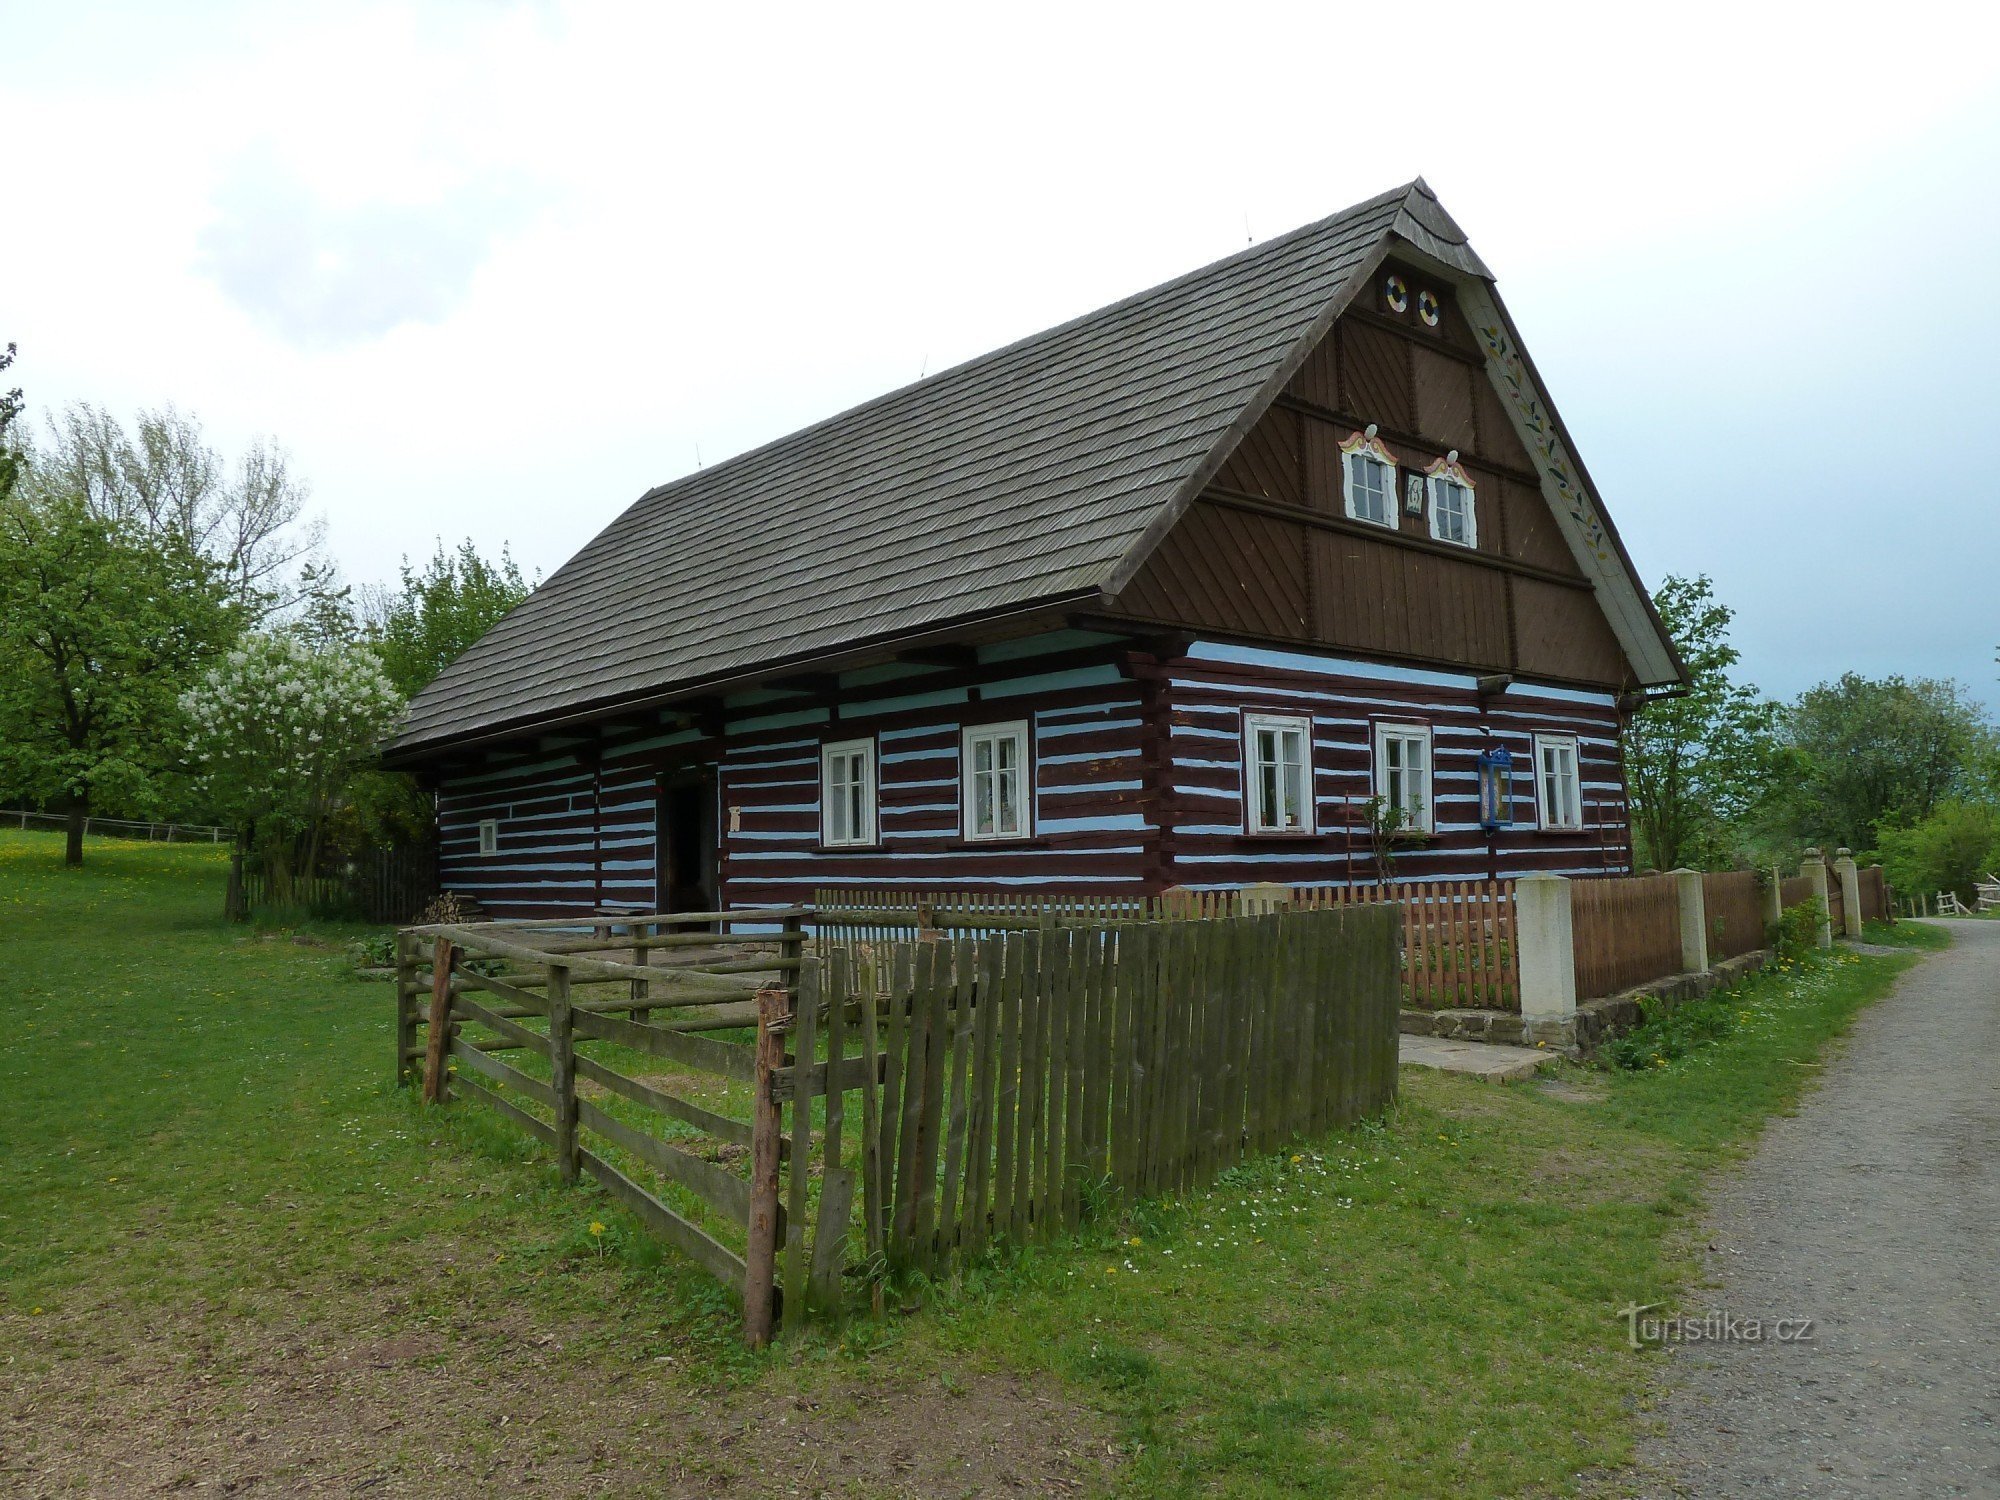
(1368, 480)
(1453, 516)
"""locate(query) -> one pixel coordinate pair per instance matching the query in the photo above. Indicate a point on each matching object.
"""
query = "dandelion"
(596, 1228)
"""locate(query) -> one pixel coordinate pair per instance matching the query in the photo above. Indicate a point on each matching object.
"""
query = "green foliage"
(101, 627)
(1951, 850)
(1797, 936)
(1672, 1032)
(1699, 765)
(441, 610)
(1880, 754)
(10, 410)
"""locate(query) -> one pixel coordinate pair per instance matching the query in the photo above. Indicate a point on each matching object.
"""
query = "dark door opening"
(687, 843)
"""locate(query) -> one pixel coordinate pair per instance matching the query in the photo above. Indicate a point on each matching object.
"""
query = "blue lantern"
(1496, 789)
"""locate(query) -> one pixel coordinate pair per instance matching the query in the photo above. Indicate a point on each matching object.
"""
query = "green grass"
(201, 1138)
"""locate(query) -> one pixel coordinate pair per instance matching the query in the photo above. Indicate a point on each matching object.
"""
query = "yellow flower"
(595, 1227)
(1297, 1159)
(1110, 1270)
(1133, 1241)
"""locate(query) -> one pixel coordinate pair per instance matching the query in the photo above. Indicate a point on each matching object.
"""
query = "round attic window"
(1428, 309)
(1398, 294)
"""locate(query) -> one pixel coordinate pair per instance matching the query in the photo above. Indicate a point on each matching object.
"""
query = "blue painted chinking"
(1269, 572)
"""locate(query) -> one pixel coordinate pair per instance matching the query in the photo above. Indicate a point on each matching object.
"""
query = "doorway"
(685, 842)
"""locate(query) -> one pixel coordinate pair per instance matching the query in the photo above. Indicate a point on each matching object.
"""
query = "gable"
(1517, 602)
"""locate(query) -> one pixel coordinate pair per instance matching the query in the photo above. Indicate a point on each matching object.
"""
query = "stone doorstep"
(1595, 1021)
(1487, 1061)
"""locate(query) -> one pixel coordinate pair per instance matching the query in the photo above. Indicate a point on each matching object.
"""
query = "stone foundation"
(1595, 1021)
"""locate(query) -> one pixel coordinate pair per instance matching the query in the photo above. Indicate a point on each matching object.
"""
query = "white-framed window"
(1558, 782)
(998, 781)
(847, 793)
(1403, 773)
(1453, 516)
(489, 835)
(1368, 480)
(1277, 774)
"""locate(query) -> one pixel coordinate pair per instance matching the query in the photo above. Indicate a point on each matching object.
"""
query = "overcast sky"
(491, 270)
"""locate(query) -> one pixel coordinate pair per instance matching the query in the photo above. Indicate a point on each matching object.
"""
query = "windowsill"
(1279, 835)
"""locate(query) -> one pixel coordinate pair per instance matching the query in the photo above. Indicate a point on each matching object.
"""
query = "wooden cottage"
(1193, 590)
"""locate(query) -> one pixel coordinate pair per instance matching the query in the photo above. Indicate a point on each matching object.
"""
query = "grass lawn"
(231, 1252)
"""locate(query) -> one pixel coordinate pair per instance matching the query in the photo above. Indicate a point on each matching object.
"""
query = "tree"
(1878, 754)
(441, 610)
(165, 481)
(10, 409)
(100, 628)
(1698, 765)
(1951, 850)
(276, 729)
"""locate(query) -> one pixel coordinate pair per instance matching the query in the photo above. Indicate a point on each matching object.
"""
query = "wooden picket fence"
(1734, 902)
(372, 885)
(1458, 935)
(1009, 1079)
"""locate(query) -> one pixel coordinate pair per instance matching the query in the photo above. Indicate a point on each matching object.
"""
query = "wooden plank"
(895, 1088)
(1007, 1083)
(723, 1191)
(512, 1031)
(1034, 1083)
(736, 1132)
(829, 1247)
(957, 1109)
(499, 1072)
(766, 1126)
(697, 1244)
(729, 1059)
(530, 1003)
(541, 1130)
(973, 1220)
(805, 1022)
(1061, 1000)
(936, 997)
(871, 1110)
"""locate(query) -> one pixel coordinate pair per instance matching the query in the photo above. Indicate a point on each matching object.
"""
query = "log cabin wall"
(1268, 553)
(1202, 806)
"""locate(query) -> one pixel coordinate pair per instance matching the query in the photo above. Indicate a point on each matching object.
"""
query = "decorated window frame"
(1368, 494)
(1277, 768)
(847, 801)
(1558, 783)
(1451, 502)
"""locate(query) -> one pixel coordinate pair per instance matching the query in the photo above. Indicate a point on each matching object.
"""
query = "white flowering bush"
(277, 726)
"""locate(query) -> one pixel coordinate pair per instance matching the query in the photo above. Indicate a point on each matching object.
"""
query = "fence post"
(1694, 922)
(760, 1256)
(1813, 867)
(562, 1071)
(406, 1005)
(1545, 935)
(1774, 900)
(1263, 897)
(1849, 876)
(437, 1046)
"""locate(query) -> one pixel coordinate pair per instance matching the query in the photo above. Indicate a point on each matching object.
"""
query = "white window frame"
(1257, 818)
(1014, 731)
(489, 837)
(1434, 483)
(865, 834)
(1559, 819)
(1406, 733)
(1365, 445)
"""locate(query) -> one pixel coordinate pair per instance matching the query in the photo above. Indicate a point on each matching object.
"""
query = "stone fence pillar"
(1774, 900)
(1264, 896)
(1545, 939)
(1694, 922)
(1849, 875)
(1814, 870)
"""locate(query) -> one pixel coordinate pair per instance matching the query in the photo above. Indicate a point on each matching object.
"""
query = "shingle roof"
(1023, 476)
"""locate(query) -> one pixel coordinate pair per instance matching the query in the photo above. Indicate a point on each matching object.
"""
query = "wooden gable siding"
(1267, 553)
(1209, 691)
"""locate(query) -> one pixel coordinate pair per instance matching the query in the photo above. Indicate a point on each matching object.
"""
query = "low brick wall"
(1595, 1021)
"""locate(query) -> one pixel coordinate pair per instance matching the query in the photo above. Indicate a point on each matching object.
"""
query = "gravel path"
(1875, 1210)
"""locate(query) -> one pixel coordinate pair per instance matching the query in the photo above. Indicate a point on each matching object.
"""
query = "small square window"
(847, 794)
(1371, 489)
(1403, 773)
(489, 835)
(1558, 782)
(997, 782)
(1277, 768)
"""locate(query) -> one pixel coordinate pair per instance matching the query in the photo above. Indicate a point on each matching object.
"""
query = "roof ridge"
(928, 382)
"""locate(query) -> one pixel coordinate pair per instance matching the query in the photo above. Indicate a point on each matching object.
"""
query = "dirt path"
(1875, 1211)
